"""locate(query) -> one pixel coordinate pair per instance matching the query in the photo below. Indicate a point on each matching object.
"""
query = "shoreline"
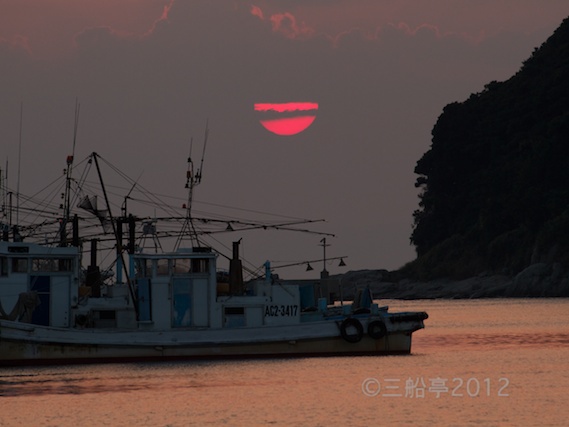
(536, 281)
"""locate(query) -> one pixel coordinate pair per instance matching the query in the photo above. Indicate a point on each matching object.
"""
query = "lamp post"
(324, 274)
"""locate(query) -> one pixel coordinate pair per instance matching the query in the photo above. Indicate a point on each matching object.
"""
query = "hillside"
(495, 181)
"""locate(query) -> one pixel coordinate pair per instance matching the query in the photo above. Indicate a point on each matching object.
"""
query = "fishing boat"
(175, 304)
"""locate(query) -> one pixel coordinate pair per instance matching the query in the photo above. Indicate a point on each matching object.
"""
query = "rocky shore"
(537, 280)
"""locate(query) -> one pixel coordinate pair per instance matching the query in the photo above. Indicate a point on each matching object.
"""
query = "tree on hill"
(495, 181)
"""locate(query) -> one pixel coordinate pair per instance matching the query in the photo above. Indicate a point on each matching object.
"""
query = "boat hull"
(26, 346)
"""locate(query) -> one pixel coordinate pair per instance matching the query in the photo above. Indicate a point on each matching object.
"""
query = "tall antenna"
(124, 208)
(7, 194)
(192, 180)
(3, 192)
(199, 172)
(3, 213)
(67, 195)
(19, 164)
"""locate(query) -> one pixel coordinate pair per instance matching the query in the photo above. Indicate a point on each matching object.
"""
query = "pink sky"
(54, 24)
(149, 73)
(48, 29)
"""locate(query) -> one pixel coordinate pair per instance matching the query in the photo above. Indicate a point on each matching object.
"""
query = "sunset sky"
(149, 73)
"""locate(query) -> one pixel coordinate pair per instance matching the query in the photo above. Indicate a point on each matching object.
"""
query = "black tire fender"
(376, 329)
(351, 323)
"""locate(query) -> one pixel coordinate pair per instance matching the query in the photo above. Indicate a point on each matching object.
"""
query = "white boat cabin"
(182, 290)
(38, 284)
(44, 286)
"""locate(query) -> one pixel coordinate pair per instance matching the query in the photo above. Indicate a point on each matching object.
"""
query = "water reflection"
(472, 342)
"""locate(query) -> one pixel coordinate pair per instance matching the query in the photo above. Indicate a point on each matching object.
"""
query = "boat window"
(19, 265)
(181, 266)
(105, 318)
(65, 264)
(234, 317)
(107, 314)
(200, 265)
(18, 249)
(162, 268)
(51, 264)
(43, 264)
(143, 268)
(3, 266)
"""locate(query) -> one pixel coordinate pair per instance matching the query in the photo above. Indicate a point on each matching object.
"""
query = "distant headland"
(537, 281)
(493, 216)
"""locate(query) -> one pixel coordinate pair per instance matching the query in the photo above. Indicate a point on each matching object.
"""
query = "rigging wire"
(170, 222)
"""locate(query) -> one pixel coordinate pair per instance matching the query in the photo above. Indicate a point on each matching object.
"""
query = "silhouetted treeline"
(495, 182)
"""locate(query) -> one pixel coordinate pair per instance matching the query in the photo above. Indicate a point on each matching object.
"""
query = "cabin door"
(143, 299)
(59, 304)
(181, 302)
(41, 285)
(53, 293)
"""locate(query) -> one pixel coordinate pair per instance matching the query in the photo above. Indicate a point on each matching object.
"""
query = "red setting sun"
(287, 118)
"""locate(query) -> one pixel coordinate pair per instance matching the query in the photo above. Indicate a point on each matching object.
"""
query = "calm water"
(483, 363)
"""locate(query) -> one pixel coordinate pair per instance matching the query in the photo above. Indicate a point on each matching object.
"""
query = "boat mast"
(116, 234)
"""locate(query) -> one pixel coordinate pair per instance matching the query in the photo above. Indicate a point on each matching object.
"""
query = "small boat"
(166, 305)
